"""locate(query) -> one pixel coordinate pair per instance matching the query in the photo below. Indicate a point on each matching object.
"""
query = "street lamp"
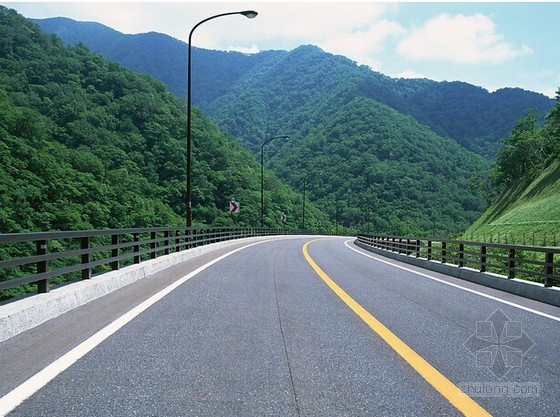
(303, 211)
(262, 173)
(247, 13)
(336, 217)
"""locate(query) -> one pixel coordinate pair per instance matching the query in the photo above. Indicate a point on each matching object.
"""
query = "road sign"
(283, 217)
(318, 223)
(233, 207)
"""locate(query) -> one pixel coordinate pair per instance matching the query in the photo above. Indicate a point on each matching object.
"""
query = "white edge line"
(491, 297)
(26, 389)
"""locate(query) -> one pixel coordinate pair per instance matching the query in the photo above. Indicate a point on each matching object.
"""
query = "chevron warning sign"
(233, 207)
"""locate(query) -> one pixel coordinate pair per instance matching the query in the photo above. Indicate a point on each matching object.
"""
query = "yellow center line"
(444, 386)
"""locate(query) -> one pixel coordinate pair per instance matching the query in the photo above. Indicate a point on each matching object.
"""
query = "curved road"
(290, 327)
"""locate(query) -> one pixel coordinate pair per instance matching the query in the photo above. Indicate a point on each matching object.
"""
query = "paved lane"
(259, 333)
(437, 320)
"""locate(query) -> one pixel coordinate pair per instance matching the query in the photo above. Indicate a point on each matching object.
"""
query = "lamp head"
(250, 14)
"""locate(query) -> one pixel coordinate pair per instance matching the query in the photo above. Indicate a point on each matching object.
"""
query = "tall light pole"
(262, 173)
(247, 13)
(336, 217)
(303, 210)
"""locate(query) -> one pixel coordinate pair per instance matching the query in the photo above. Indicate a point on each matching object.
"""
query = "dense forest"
(86, 143)
(388, 172)
(384, 170)
(471, 115)
(529, 149)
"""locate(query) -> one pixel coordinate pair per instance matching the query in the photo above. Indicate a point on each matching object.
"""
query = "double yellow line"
(444, 386)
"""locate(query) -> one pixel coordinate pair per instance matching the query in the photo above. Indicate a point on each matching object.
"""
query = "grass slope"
(529, 212)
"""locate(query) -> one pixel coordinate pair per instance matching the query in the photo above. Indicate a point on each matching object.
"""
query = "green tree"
(552, 129)
(524, 152)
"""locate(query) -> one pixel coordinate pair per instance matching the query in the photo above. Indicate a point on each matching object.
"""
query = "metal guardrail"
(529, 262)
(37, 257)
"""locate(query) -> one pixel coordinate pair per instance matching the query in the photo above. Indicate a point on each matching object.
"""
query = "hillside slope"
(387, 172)
(85, 143)
(528, 212)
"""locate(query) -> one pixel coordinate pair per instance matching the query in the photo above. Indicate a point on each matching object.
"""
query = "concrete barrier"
(527, 289)
(24, 314)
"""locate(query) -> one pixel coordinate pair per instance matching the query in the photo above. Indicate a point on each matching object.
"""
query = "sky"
(492, 45)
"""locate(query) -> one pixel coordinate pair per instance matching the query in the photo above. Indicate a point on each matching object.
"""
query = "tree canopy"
(529, 149)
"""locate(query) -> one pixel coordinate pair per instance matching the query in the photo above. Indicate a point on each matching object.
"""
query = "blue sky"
(492, 45)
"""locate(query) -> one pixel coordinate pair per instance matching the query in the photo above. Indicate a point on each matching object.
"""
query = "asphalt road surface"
(290, 327)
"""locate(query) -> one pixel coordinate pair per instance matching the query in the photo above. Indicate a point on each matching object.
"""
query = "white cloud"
(460, 39)
(408, 73)
(363, 45)
(253, 49)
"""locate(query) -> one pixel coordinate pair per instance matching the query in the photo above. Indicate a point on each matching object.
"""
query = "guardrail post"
(166, 242)
(153, 245)
(136, 248)
(511, 263)
(461, 255)
(417, 248)
(86, 257)
(429, 250)
(483, 258)
(115, 252)
(443, 252)
(177, 241)
(549, 269)
(42, 266)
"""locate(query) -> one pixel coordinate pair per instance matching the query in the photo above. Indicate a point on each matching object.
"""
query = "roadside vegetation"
(526, 180)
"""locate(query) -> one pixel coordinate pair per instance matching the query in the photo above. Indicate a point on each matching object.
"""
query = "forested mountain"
(85, 143)
(383, 153)
(471, 115)
(386, 170)
(364, 156)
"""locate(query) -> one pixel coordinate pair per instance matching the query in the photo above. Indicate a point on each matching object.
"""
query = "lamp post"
(247, 13)
(262, 173)
(303, 210)
(336, 217)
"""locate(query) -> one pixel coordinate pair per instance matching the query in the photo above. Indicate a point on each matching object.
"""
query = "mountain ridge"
(471, 115)
(311, 96)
